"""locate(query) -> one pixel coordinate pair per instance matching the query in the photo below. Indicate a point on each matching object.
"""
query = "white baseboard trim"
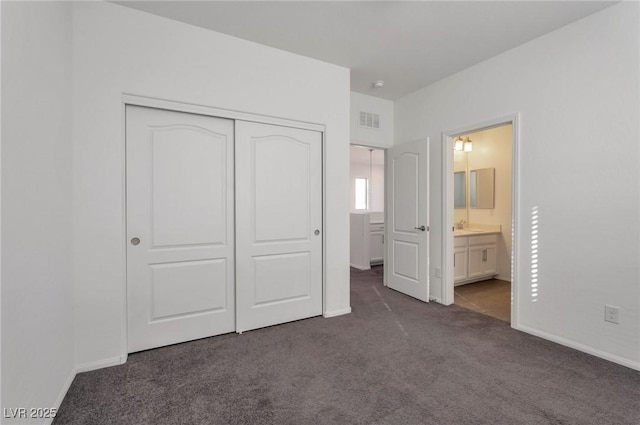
(360, 267)
(99, 364)
(581, 347)
(335, 313)
(83, 368)
(63, 392)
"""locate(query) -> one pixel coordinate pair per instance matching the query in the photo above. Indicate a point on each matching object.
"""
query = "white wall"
(377, 188)
(577, 93)
(37, 289)
(119, 50)
(360, 241)
(492, 149)
(382, 137)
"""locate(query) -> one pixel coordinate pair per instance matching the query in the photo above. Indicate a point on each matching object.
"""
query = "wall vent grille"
(369, 120)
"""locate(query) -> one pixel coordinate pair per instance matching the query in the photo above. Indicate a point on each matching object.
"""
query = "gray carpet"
(394, 360)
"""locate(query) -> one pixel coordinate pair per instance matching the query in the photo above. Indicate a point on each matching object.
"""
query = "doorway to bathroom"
(367, 200)
(478, 207)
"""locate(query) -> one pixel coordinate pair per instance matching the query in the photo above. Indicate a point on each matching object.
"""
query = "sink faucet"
(460, 224)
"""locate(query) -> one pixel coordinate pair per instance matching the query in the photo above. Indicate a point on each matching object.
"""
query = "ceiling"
(408, 44)
(361, 154)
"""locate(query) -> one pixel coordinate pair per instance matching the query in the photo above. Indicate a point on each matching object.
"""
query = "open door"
(407, 260)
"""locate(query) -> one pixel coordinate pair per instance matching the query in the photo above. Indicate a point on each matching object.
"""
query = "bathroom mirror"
(460, 189)
(481, 188)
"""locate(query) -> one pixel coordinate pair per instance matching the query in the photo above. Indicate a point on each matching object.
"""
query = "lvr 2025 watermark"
(27, 413)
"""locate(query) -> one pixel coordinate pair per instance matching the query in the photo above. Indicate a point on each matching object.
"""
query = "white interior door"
(180, 227)
(279, 224)
(407, 263)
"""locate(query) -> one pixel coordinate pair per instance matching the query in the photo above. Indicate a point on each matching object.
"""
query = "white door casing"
(279, 224)
(407, 206)
(180, 227)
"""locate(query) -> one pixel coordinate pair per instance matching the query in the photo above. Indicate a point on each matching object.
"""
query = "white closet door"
(180, 227)
(279, 224)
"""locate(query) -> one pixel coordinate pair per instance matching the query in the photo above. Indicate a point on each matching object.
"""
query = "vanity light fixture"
(468, 146)
(458, 144)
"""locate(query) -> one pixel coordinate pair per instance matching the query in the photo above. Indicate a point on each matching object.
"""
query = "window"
(362, 194)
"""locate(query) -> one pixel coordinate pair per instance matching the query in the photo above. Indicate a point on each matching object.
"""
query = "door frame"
(149, 102)
(447, 206)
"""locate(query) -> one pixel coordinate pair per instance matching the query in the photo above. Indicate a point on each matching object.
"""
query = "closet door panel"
(279, 224)
(180, 227)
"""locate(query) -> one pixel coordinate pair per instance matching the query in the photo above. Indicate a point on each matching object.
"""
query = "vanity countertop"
(474, 232)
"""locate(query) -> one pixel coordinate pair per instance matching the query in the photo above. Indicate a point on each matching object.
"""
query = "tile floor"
(490, 297)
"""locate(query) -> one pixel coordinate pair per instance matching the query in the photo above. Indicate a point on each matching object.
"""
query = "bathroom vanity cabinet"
(367, 239)
(460, 259)
(376, 242)
(474, 258)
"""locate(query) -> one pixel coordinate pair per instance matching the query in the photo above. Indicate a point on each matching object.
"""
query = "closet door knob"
(421, 228)
(317, 232)
(135, 241)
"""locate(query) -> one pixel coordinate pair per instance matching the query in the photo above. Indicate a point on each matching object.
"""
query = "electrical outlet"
(611, 314)
(438, 272)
